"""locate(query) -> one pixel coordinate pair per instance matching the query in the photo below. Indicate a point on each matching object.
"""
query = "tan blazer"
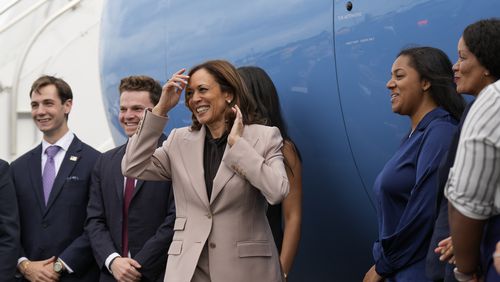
(233, 223)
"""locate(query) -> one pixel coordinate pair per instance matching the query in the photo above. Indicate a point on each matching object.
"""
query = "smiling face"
(406, 87)
(207, 102)
(132, 105)
(470, 76)
(49, 112)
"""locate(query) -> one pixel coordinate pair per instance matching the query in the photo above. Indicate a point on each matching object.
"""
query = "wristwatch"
(58, 266)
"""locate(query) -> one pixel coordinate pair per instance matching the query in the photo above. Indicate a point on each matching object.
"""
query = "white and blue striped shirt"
(473, 186)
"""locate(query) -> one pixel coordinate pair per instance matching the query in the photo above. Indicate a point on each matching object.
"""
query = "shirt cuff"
(465, 212)
(462, 203)
(68, 269)
(382, 266)
(110, 258)
(21, 259)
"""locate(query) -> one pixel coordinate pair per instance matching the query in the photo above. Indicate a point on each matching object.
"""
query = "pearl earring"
(228, 101)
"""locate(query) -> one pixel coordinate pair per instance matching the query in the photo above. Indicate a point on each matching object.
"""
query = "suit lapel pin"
(73, 158)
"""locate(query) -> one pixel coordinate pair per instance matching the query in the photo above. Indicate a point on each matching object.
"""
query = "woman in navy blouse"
(422, 88)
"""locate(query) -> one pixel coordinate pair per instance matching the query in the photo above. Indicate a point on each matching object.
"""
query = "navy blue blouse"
(405, 192)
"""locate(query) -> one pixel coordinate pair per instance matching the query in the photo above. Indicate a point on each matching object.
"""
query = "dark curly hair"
(141, 83)
(433, 65)
(483, 40)
(229, 81)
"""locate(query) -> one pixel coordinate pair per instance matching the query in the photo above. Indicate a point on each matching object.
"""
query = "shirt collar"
(430, 116)
(63, 142)
(217, 141)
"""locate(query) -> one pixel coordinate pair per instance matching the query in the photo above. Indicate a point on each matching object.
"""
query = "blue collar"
(430, 116)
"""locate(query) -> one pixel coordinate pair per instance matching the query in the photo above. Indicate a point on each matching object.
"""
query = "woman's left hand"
(445, 250)
(372, 276)
(237, 129)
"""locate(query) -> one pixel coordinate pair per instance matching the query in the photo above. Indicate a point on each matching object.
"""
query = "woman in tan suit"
(224, 169)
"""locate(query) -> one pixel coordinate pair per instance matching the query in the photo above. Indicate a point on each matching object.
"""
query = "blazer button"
(212, 245)
(209, 216)
(45, 225)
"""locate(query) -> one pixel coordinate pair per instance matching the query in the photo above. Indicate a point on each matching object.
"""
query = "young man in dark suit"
(130, 222)
(52, 186)
(9, 225)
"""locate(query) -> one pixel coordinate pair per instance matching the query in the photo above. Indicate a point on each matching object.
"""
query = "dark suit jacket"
(436, 269)
(9, 225)
(151, 217)
(57, 229)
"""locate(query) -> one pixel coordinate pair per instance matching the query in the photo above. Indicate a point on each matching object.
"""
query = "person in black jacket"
(130, 222)
(52, 186)
(9, 224)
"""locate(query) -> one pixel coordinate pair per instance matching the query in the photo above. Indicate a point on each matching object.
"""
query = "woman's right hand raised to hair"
(171, 93)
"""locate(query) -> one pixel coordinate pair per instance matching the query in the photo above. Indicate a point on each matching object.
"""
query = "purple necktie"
(49, 171)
